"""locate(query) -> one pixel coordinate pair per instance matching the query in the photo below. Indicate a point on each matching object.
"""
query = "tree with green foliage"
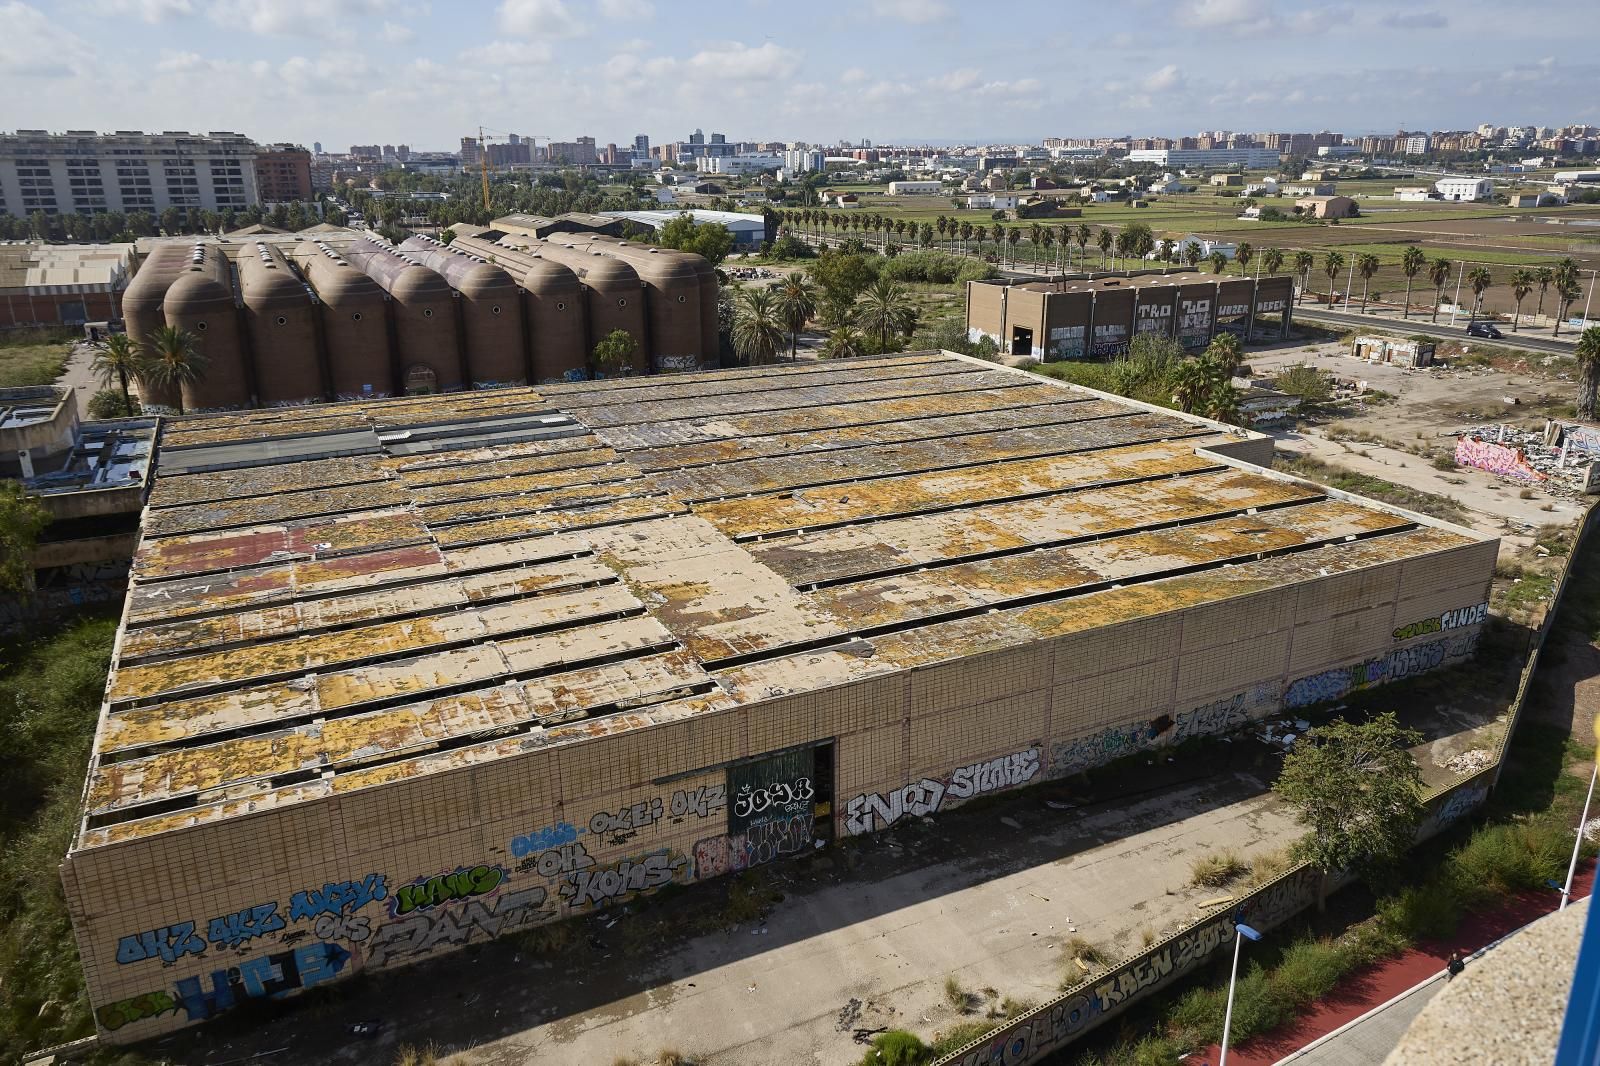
(1243, 255)
(1191, 381)
(1191, 254)
(1412, 260)
(1367, 265)
(22, 519)
(711, 240)
(1521, 286)
(615, 352)
(1566, 296)
(885, 308)
(1332, 263)
(1480, 279)
(1226, 351)
(1082, 235)
(1013, 238)
(1272, 259)
(118, 359)
(1588, 353)
(109, 403)
(1104, 239)
(844, 342)
(1218, 261)
(758, 326)
(1544, 276)
(797, 302)
(1303, 262)
(172, 359)
(1439, 274)
(1358, 789)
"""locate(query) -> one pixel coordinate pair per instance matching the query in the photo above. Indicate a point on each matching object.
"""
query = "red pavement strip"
(1362, 991)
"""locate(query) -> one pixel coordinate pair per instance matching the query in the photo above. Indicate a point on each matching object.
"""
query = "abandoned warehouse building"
(397, 676)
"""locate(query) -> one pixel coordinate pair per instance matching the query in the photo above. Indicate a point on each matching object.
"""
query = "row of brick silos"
(311, 321)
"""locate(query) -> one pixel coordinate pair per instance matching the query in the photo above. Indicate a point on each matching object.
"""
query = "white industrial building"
(748, 230)
(738, 164)
(803, 160)
(1413, 193)
(915, 188)
(87, 173)
(1250, 158)
(1464, 188)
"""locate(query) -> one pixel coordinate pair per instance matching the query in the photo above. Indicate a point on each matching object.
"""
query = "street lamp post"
(1240, 931)
(1577, 845)
(1455, 305)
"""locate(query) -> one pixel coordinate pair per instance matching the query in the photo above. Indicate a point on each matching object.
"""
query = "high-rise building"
(316, 146)
(85, 172)
(283, 174)
(641, 146)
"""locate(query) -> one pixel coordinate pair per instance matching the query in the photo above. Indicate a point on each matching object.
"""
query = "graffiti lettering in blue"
(339, 897)
(1397, 665)
(241, 926)
(261, 977)
(167, 943)
(551, 836)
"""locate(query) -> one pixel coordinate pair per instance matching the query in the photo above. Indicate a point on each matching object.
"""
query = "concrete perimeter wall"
(180, 926)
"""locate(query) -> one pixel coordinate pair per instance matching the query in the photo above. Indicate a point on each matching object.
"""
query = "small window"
(681, 299)
(622, 303)
(282, 321)
(427, 312)
(355, 316)
(495, 310)
(560, 306)
(201, 326)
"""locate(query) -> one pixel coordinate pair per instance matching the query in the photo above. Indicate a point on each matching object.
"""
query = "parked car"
(1483, 329)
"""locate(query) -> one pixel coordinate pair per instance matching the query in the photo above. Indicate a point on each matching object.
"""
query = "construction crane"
(483, 166)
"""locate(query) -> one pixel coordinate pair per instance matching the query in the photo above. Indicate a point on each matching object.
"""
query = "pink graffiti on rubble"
(1495, 458)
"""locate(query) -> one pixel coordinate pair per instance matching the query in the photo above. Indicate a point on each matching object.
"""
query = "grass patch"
(954, 994)
(1077, 947)
(1217, 869)
(960, 1036)
(33, 357)
(1337, 477)
(49, 701)
(898, 1048)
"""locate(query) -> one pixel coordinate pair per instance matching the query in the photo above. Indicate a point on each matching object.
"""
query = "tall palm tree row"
(1303, 262)
(1521, 286)
(1439, 274)
(1412, 260)
(1332, 263)
(1272, 259)
(1243, 255)
(1367, 265)
(1480, 279)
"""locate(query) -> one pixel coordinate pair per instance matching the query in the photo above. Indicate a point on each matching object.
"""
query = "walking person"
(1455, 965)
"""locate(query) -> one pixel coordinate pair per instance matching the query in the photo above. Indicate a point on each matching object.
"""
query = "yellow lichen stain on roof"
(185, 489)
(570, 463)
(583, 494)
(622, 510)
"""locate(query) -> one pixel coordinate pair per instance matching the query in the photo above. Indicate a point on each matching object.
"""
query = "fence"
(1055, 1024)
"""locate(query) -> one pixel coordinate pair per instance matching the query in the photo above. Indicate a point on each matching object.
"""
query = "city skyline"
(357, 71)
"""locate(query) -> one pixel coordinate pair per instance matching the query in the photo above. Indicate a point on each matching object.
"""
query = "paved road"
(79, 378)
(1530, 341)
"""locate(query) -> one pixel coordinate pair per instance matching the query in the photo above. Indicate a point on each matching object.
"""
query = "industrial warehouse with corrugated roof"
(398, 676)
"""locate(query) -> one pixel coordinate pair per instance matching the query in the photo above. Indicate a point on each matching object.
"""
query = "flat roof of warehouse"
(332, 597)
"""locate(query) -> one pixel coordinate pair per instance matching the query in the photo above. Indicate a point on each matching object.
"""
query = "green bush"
(108, 403)
(1510, 857)
(960, 1036)
(897, 1048)
(1309, 970)
(1429, 911)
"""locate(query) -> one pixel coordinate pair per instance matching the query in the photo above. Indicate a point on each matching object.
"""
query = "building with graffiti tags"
(1085, 319)
(400, 676)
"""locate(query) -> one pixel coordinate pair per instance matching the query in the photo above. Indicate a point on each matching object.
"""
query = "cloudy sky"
(424, 72)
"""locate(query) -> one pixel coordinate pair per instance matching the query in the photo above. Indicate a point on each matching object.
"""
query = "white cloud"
(1223, 12)
(549, 19)
(1166, 79)
(1416, 20)
(916, 12)
(627, 10)
(293, 17)
(735, 61)
(396, 32)
(34, 45)
(853, 76)
(147, 10)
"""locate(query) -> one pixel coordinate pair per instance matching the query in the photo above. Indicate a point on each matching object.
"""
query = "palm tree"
(926, 235)
(1143, 242)
(1034, 236)
(797, 302)
(943, 225)
(1272, 259)
(1521, 285)
(1104, 240)
(1565, 297)
(1332, 263)
(1367, 265)
(1226, 352)
(886, 308)
(966, 235)
(173, 359)
(1013, 238)
(843, 343)
(1480, 279)
(1544, 276)
(1218, 261)
(1412, 261)
(118, 359)
(1081, 235)
(1191, 380)
(1439, 274)
(1588, 352)
(1303, 262)
(1242, 255)
(1191, 253)
(757, 326)
(1046, 238)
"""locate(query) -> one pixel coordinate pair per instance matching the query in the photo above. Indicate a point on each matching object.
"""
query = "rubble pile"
(1470, 762)
(1562, 456)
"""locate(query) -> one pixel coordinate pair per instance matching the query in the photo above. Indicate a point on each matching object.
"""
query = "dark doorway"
(1021, 340)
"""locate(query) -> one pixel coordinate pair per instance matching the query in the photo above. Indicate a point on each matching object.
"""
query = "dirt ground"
(1399, 438)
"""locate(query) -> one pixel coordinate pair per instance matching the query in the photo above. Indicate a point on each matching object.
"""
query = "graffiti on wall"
(1398, 664)
(872, 811)
(1461, 616)
(1097, 749)
(169, 943)
(620, 826)
(461, 883)
(259, 977)
(718, 855)
(595, 887)
(422, 931)
(1495, 458)
(1227, 714)
(1194, 323)
(245, 925)
(1459, 804)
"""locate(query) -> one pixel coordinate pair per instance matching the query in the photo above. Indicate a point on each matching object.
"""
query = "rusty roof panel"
(238, 708)
(803, 671)
(546, 651)
(983, 582)
(840, 433)
(534, 579)
(620, 685)
(624, 510)
(562, 462)
(712, 593)
(831, 554)
(183, 490)
(965, 378)
(513, 553)
(182, 433)
(887, 497)
(154, 601)
(790, 471)
(281, 507)
(492, 453)
(204, 552)
(449, 502)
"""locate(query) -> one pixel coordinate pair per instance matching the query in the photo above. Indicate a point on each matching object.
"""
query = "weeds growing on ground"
(1217, 869)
